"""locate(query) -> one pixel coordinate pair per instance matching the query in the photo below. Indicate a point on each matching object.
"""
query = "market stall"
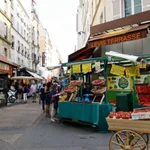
(116, 86)
(76, 106)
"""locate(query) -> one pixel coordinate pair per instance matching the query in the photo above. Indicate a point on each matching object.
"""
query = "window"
(25, 34)
(13, 42)
(12, 19)
(132, 7)
(19, 60)
(101, 18)
(5, 52)
(5, 31)
(6, 7)
(12, 4)
(18, 26)
(18, 46)
(22, 49)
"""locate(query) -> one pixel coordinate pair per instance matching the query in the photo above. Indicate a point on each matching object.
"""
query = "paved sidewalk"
(21, 115)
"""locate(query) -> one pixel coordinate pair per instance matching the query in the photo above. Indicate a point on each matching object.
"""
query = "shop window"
(132, 7)
(5, 52)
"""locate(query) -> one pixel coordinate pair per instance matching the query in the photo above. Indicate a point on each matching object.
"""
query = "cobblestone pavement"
(25, 127)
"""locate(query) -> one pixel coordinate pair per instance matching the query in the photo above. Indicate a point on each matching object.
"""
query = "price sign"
(86, 67)
(76, 69)
(142, 65)
(132, 71)
(117, 70)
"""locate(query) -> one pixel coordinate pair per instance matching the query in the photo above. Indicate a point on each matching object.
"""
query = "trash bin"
(124, 102)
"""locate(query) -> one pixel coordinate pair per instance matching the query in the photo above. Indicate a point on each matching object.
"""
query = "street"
(25, 127)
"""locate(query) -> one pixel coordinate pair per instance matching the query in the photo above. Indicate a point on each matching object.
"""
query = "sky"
(59, 18)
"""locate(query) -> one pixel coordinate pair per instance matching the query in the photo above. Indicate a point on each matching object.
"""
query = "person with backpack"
(43, 92)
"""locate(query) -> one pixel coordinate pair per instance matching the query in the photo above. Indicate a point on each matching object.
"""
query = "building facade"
(103, 11)
(5, 29)
(20, 32)
(49, 55)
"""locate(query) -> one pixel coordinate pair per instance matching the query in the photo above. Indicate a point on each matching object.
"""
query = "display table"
(91, 113)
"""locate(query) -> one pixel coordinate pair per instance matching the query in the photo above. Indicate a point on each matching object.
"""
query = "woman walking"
(43, 92)
(25, 91)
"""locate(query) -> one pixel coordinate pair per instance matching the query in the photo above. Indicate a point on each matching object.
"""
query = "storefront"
(6, 72)
(129, 35)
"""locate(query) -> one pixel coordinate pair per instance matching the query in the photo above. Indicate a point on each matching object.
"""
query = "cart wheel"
(146, 138)
(127, 140)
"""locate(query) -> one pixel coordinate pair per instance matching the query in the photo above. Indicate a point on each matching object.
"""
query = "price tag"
(76, 68)
(86, 68)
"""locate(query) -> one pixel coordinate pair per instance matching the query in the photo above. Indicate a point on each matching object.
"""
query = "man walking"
(34, 91)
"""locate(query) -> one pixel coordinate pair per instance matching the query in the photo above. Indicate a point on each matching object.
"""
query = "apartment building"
(101, 12)
(34, 38)
(49, 55)
(85, 13)
(20, 35)
(5, 27)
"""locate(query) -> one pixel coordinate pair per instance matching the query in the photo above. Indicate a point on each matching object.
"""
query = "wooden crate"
(141, 126)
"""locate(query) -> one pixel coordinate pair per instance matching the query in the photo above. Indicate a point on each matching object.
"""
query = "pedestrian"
(54, 101)
(25, 91)
(43, 92)
(34, 91)
(20, 91)
(48, 99)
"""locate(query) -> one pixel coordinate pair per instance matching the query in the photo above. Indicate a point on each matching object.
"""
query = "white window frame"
(132, 7)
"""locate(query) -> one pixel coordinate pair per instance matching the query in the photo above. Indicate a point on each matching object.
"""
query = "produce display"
(142, 89)
(69, 89)
(98, 82)
(141, 113)
(76, 82)
(100, 90)
(143, 94)
(120, 115)
(144, 100)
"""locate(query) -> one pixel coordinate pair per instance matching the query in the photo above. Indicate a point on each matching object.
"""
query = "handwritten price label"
(117, 70)
(76, 68)
(86, 68)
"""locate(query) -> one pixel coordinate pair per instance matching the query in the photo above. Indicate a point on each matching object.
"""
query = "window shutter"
(1, 28)
(5, 30)
(146, 5)
(117, 9)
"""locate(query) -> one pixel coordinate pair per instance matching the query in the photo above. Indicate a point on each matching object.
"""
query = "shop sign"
(86, 68)
(3, 58)
(76, 68)
(132, 71)
(4, 66)
(119, 39)
(117, 70)
(123, 83)
(119, 83)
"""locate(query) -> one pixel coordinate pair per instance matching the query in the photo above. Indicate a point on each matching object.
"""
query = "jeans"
(43, 104)
(25, 96)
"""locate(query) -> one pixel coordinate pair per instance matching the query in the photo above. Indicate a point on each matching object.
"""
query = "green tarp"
(92, 113)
